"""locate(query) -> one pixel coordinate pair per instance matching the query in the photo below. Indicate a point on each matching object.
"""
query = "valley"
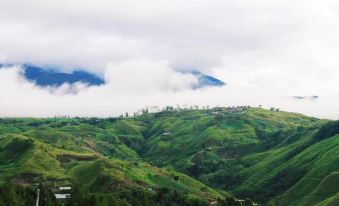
(218, 156)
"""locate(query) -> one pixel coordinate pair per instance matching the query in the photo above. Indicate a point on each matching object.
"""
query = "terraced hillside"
(271, 157)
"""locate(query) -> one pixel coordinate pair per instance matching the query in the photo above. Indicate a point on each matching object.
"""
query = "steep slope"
(56, 157)
(319, 163)
(272, 157)
(206, 136)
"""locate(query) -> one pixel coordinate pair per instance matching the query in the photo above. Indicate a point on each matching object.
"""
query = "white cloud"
(130, 91)
(271, 49)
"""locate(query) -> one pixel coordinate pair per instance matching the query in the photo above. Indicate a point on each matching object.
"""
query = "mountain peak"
(50, 77)
(204, 80)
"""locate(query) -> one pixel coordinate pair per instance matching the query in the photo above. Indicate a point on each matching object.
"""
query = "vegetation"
(174, 157)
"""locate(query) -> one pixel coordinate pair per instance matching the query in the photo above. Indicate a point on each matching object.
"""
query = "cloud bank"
(120, 94)
(267, 51)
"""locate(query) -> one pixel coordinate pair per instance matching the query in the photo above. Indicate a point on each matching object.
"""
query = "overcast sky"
(266, 51)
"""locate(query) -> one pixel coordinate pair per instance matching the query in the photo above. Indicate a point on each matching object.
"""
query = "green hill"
(271, 157)
(29, 160)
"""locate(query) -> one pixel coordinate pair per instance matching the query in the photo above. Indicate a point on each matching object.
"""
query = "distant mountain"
(50, 77)
(314, 97)
(4, 65)
(205, 80)
(53, 77)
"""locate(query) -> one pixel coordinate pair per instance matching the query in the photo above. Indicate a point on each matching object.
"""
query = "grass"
(276, 158)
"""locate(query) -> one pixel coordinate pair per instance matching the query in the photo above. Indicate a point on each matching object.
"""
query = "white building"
(65, 188)
(62, 196)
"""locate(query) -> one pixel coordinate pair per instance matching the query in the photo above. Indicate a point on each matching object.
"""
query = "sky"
(266, 51)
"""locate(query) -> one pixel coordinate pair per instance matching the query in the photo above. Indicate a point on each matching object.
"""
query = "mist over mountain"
(204, 80)
(312, 98)
(53, 77)
(162, 103)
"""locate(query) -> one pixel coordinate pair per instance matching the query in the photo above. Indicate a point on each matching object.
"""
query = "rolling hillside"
(68, 152)
(270, 157)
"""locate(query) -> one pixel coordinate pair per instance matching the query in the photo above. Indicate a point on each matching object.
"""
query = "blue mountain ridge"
(204, 80)
(49, 77)
(53, 77)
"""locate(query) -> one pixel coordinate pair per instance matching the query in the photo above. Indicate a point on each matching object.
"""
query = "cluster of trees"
(328, 130)
(274, 109)
(162, 197)
(154, 109)
(17, 195)
(178, 107)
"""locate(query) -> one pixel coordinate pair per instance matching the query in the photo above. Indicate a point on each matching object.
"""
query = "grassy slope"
(260, 155)
(90, 156)
(321, 179)
(268, 156)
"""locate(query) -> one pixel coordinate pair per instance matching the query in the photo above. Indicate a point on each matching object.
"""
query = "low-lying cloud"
(266, 51)
(127, 91)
